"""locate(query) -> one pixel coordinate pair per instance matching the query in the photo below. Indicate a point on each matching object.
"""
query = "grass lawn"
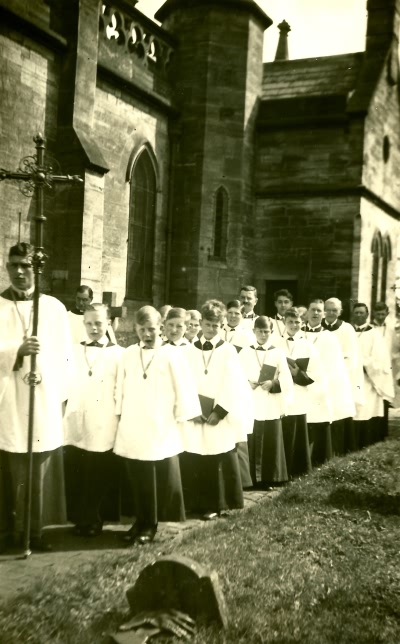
(320, 564)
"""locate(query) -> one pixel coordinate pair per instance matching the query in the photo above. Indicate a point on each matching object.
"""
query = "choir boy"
(236, 331)
(369, 421)
(305, 367)
(212, 473)
(193, 325)
(90, 421)
(333, 403)
(343, 430)
(175, 327)
(248, 299)
(155, 395)
(163, 313)
(269, 376)
(83, 297)
(283, 301)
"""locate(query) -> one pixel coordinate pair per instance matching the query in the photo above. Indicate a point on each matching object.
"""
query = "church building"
(204, 169)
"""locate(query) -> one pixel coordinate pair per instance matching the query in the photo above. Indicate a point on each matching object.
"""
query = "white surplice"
(226, 384)
(248, 322)
(299, 347)
(278, 327)
(378, 380)
(240, 336)
(268, 406)
(90, 420)
(352, 357)
(152, 409)
(337, 390)
(78, 331)
(53, 365)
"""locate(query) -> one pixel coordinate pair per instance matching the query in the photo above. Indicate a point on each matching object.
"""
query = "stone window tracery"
(132, 38)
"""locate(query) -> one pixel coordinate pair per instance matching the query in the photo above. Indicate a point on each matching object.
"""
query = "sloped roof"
(306, 77)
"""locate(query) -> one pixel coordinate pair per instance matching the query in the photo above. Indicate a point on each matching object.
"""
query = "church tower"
(217, 75)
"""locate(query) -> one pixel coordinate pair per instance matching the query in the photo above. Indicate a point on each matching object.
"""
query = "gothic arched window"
(142, 214)
(381, 256)
(386, 257)
(220, 224)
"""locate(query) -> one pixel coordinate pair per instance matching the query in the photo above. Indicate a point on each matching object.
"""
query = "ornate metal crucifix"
(35, 175)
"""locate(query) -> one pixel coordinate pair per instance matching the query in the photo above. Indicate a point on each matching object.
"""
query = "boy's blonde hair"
(147, 313)
(194, 314)
(177, 313)
(98, 306)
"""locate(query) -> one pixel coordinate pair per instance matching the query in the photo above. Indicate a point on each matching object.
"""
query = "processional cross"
(35, 176)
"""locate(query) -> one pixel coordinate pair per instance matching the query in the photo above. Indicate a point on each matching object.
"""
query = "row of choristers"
(209, 403)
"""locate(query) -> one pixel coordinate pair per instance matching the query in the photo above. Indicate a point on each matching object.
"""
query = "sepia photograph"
(200, 321)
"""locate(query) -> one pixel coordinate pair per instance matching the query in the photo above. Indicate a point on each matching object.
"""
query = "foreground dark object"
(170, 597)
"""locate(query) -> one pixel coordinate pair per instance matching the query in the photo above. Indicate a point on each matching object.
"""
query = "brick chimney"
(282, 51)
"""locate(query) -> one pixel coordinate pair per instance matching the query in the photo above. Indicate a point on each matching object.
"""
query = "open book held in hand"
(207, 405)
(268, 372)
(301, 363)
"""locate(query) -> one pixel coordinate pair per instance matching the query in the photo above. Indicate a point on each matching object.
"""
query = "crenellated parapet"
(134, 46)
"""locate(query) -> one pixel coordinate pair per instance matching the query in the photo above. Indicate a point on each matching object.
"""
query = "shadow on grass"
(64, 540)
(385, 504)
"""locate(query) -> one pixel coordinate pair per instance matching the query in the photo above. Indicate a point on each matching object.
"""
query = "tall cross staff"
(35, 175)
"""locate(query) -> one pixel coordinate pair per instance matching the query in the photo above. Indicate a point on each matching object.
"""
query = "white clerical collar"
(280, 317)
(296, 336)
(214, 341)
(264, 346)
(377, 324)
(103, 340)
(361, 326)
(157, 344)
(24, 294)
(312, 328)
(180, 342)
(249, 316)
(228, 328)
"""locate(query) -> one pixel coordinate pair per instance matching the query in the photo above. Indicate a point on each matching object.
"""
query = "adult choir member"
(52, 346)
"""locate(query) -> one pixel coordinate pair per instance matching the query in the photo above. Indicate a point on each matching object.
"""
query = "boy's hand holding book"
(198, 420)
(294, 370)
(266, 386)
(213, 419)
(253, 385)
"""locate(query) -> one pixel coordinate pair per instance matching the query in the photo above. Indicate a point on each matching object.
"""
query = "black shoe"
(94, 530)
(210, 516)
(147, 535)
(79, 530)
(129, 537)
(38, 544)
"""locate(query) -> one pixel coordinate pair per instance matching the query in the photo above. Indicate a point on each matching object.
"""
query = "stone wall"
(214, 147)
(29, 80)
(381, 177)
(372, 220)
(308, 240)
(307, 207)
(123, 126)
